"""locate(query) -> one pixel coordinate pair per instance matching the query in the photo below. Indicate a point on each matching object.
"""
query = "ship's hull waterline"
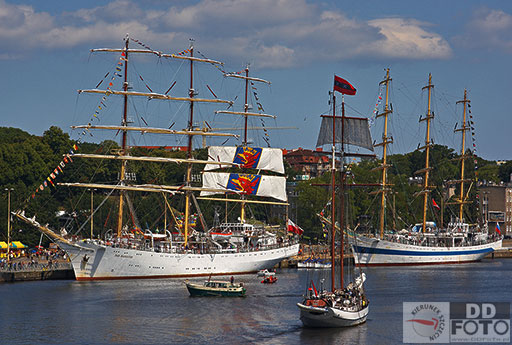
(327, 317)
(375, 252)
(98, 262)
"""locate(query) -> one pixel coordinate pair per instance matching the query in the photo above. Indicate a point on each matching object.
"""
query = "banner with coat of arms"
(247, 184)
(270, 159)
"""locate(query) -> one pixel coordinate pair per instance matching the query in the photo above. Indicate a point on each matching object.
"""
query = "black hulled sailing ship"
(346, 305)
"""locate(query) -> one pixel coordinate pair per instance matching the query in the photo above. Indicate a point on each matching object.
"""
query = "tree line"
(404, 204)
(27, 160)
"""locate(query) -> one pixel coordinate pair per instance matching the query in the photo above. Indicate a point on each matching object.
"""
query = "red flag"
(292, 227)
(343, 86)
(435, 204)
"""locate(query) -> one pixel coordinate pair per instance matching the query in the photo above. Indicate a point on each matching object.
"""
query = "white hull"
(375, 252)
(311, 264)
(105, 262)
(330, 317)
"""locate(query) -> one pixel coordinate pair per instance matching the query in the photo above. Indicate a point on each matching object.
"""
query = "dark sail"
(357, 132)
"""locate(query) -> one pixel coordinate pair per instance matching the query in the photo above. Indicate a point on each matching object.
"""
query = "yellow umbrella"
(18, 245)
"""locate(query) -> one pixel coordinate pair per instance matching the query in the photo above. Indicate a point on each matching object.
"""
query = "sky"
(298, 45)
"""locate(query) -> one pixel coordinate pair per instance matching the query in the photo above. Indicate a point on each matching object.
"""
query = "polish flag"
(292, 227)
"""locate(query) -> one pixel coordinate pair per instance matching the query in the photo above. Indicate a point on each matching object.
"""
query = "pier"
(18, 270)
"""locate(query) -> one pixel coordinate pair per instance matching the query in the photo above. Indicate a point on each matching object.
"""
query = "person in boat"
(232, 280)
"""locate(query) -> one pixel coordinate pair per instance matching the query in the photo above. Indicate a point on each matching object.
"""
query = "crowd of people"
(39, 259)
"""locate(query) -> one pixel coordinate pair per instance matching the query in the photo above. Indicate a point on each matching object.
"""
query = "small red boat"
(270, 278)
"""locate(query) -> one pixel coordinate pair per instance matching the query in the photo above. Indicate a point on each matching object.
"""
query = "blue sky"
(298, 45)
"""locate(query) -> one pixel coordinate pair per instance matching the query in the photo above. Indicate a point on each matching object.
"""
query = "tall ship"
(425, 243)
(342, 305)
(190, 247)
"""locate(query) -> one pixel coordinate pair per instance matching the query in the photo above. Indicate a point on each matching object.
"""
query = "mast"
(463, 155)
(246, 108)
(123, 140)
(123, 153)
(333, 196)
(358, 135)
(342, 190)
(246, 115)
(92, 213)
(191, 94)
(384, 166)
(426, 188)
(246, 105)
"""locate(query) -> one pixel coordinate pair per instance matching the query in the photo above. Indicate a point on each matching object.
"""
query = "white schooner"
(425, 243)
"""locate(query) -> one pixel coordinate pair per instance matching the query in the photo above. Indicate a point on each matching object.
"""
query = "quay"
(316, 251)
(20, 271)
(504, 252)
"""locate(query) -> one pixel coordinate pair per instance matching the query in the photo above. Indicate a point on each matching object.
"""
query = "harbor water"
(161, 311)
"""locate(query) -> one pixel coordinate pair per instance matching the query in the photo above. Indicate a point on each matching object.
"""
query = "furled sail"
(356, 132)
(247, 184)
(248, 157)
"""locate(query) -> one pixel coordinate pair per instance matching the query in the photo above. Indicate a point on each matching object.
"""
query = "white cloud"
(275, 33)
(488, 29)
(407, 39)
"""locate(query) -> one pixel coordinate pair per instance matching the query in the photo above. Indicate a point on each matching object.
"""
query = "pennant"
(435, 204)
(58, 167)
(343, 86)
